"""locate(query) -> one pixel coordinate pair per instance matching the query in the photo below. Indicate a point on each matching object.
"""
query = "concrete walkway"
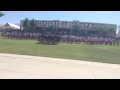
(32, 67)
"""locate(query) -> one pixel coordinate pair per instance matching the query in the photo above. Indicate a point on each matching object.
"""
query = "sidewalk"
(33, 67)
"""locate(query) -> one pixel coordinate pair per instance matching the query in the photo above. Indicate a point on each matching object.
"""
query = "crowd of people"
(41, 38)
(89, 40)
(20, 35)
(55, 38)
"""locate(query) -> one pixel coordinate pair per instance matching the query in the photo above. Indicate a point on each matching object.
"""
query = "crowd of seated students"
(55, 38)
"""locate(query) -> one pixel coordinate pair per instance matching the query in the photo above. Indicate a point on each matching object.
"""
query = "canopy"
(10, 26)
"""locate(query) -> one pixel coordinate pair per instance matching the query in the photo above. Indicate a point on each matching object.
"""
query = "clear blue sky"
(111, 17)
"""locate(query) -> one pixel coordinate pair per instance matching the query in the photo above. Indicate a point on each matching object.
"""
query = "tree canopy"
(76, 29)
(32, 22)
(1, 14)
(26, 22)
(51, 28)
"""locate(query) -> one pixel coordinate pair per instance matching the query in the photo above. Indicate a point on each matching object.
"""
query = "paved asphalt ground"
(33, 67)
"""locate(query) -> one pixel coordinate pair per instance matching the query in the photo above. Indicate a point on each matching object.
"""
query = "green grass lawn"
(97, 53)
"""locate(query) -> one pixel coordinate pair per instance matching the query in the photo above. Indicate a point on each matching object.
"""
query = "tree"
(32, 24)
(102, 31)
(99, 30)
(1, 14)
(76, 29)
(26, 24)
(51, 28)
(111, 32)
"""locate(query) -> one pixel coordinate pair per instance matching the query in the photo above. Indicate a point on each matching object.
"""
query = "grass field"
(97, 53)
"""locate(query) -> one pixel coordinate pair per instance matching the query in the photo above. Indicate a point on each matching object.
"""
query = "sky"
(110, 17)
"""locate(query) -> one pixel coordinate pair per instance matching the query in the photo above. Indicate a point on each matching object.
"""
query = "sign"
(69, 24)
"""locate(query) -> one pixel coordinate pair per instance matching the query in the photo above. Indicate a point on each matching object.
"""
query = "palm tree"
(26, 24)
(1, 14)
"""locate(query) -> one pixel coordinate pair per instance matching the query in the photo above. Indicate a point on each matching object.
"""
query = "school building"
(66, 26)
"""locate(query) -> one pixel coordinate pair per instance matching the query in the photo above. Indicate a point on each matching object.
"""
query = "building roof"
(12, 25)
(6, 27)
